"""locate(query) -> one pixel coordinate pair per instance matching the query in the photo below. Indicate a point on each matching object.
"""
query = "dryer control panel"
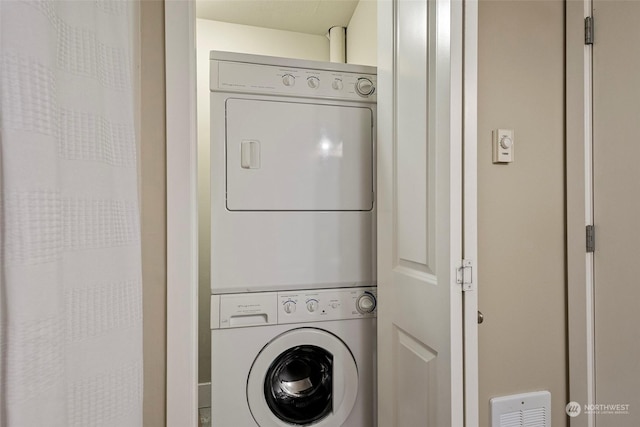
(271, 308)
(292, 81)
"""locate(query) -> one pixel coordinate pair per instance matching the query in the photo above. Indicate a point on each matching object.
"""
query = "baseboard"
(204, 395)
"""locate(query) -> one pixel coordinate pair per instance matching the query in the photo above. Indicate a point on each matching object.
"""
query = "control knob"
(506, 142)
(288, 80)
(312, 305)
(337, 84)
(313, 82)
(366, 303)
(289, 307)
(364, 87)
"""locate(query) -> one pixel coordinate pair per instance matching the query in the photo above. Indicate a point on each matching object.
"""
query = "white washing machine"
(294, 358)
(292, 174)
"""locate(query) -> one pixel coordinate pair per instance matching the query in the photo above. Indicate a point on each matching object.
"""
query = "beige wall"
(521, 206)
(153, 207)
(213, 35)
(362, 34)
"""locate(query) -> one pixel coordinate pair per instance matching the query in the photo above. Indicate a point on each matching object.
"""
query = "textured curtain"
(71, 302)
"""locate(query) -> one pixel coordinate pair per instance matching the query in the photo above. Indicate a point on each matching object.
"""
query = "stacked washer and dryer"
(293, 270)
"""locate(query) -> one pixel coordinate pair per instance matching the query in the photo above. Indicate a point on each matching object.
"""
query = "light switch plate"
(503, 145)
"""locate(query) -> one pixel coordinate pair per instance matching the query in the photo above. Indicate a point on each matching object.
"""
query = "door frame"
(182, 227)
(182, 214)
(579, 202)
(470, 204)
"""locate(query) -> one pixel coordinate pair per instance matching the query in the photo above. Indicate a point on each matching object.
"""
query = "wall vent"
(522, 410)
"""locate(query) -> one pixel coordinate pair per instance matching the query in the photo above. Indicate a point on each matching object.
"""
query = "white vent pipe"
(337, 44)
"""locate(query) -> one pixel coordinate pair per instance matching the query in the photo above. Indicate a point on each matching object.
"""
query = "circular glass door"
(303, 377)
(298, 385)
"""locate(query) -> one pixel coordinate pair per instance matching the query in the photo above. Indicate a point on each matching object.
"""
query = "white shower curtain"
(71, 302)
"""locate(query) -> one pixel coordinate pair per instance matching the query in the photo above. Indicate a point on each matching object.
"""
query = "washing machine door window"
(303, 377)
(297, 387)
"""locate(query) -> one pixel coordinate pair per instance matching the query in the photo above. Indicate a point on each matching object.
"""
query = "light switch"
(503, 143)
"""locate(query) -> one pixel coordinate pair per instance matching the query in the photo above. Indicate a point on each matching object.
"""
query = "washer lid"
(303, 377)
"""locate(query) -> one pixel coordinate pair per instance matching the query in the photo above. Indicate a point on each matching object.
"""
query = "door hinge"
(591, 239)
(588, 30)
(464, 275)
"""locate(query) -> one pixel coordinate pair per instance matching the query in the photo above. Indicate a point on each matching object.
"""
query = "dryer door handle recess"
(250, 154)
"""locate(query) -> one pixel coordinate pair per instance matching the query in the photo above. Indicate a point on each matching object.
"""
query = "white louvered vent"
(522, 410)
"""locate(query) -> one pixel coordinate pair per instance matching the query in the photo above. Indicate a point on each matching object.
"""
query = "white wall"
(362, 34)
(214, 35)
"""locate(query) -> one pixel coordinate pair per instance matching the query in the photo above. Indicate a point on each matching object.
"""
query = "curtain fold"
(70, 289)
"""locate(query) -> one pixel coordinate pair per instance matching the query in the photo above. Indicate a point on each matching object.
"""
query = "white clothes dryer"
(294, 358)
(292, 174)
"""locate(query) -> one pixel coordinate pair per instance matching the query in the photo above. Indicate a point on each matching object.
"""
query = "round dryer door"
(303, 377)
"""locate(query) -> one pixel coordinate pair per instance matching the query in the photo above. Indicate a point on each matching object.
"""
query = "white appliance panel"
(284, 156)
(296, 306)
(263, 251)
(238, 372)
(292, 77)
(310, 221)
(276, 250)
(231, 364)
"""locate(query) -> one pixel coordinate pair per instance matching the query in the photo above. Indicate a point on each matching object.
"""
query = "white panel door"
(420, 314)
(616, 108)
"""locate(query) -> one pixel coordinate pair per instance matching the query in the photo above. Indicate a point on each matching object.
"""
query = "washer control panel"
(326, 304)
(271, 308)
(281, 80)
